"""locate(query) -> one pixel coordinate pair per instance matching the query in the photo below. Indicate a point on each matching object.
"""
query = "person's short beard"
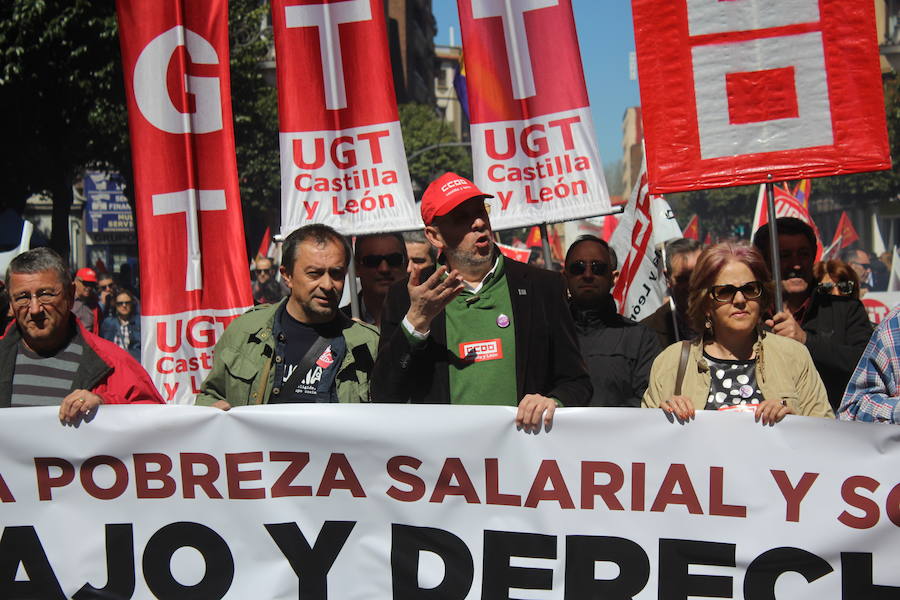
(460, 259)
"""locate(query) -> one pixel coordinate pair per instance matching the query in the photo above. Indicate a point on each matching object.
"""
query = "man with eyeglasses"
(49, 358)
(380, 262)
(266, 288)
(860, 262)
(480, 329)
(835, 329)
(87, 307)
(618, 351)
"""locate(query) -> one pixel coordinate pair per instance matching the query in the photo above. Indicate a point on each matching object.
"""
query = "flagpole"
(351, 281)
(773, 244)
(545, 243)
(671, 297)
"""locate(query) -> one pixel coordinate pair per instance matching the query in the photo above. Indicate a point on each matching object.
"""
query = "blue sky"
(606, 37)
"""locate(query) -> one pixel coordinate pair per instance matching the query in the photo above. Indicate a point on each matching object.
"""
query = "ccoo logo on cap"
(446, 193)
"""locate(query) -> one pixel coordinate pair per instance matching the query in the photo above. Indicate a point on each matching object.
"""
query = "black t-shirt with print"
(318, 383)
(732, 384)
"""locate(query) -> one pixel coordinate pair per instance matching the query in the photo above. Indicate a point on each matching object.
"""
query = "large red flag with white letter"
(194, 277)
(733, 92)
(533, 142)
(342, 156)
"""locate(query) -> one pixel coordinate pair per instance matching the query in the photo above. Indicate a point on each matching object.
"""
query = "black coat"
(618, 353)
(548, 361)
(837, 331)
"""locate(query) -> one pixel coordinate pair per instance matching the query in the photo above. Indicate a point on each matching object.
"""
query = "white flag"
(640, 288)
(665, 227)
(894, 281)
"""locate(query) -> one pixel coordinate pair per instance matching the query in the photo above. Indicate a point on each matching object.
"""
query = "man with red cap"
(87, 305)
(479, 329)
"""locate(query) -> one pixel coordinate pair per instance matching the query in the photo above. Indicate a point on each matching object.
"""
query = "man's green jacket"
(243, 370)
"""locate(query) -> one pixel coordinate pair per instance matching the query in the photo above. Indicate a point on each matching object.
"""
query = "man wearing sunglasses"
(380, 262)
(480, 329)
(266, 288)
(87, 306)
(835, 329)
(618, 352)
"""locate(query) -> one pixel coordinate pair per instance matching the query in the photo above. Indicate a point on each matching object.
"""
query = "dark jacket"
(105, 369)
(837, 331)
(661, 323)
(548, 360)
(110, 327)
(618, 353)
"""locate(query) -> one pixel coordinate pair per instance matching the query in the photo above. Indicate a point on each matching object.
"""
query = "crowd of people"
(444, 317)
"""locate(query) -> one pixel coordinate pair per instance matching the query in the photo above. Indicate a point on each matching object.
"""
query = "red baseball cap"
(86, 274)
(446, 193)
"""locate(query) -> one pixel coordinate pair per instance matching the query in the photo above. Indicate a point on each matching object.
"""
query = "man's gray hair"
(37, 261)
(417, 236)
(680, 246)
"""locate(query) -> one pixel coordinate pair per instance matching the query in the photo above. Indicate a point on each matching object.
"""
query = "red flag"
(707, 241)
(692, 231)
(786, 205)
(534, 238)
(533, 141)
(264, 244)
(802, 191)
(609, 226)
(845, 232)
(194, 277)
(342, 157)
(517, 254)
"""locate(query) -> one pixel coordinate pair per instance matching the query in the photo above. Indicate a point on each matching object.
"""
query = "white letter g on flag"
(152, 95)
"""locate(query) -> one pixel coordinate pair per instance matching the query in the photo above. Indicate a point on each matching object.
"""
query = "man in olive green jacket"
(302, 349)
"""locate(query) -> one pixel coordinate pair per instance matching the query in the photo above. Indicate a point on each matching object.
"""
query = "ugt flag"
(640, 287)
(342, 157)
(735, 92)
(194, 277)
(533, 144)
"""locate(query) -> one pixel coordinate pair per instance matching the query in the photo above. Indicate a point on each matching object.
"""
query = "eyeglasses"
(725, 293)
(866, 266)
(579, 266)
(42, 296)
(845, 288)
(124, 303)
(106, 286)
(395, 259)
(87, 284)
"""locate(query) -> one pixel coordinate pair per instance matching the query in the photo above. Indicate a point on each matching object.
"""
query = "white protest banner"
(533, 141)
(194, 277)
(640, 287)
(342, 157)
(879, 304)
(361, 502)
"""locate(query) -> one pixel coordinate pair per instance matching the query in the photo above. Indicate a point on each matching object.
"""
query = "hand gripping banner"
(194, 277)
(342, 157)
(734, 91)
(533, 143)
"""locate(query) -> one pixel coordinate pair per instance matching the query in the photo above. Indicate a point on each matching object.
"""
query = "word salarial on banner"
(533, 141)
(735, 92)
(640, 287)
(194, 277)
(342, 157)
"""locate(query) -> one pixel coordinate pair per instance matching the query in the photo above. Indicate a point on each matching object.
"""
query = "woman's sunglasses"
(725, 293)
(845, 288)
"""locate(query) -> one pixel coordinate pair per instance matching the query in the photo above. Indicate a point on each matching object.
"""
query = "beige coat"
(784, 371)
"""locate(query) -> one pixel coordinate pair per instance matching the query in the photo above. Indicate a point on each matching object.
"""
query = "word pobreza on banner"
(342, 157)
(734, 91)
(640, 287)
(194, 277)
(533, 142)
(447, 502)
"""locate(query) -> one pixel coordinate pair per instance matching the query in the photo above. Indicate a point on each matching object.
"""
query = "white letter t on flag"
(326, 18)
(185, 202)
(512, 14)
